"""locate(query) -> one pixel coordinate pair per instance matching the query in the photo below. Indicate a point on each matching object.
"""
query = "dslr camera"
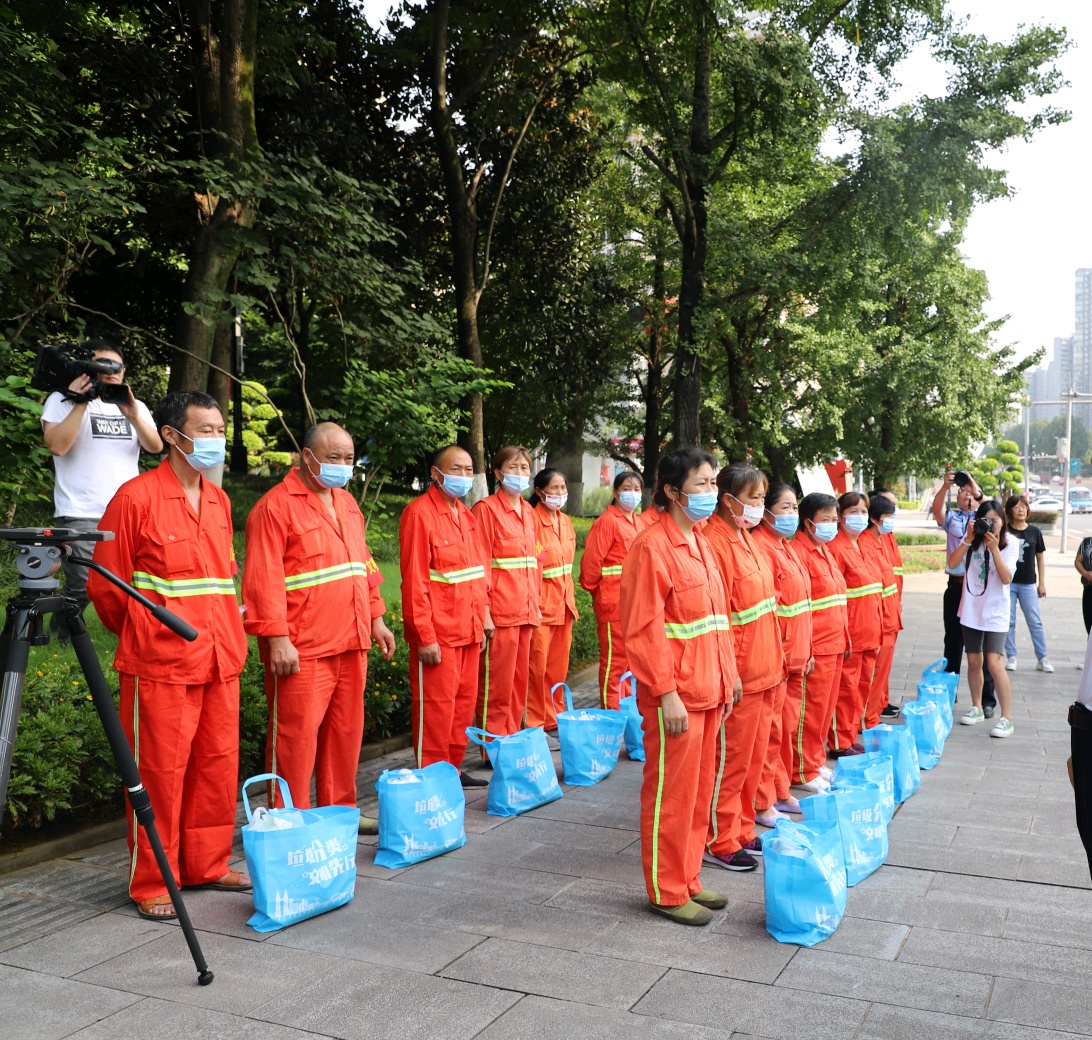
(982, 526)
(961, 478)
(56, 367)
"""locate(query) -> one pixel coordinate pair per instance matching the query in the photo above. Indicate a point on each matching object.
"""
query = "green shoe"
(710, 900)
(689, 913)
(368, 825)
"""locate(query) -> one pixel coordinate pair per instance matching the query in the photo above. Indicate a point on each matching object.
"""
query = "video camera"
(56, 367)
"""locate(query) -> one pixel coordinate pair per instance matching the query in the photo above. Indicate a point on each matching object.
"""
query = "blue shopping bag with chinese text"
(627, 703)
(420, 814)
(590, 738)
(804, 881)
(524, 776)
(924, 720)
(898, 742)
(858, 810)
(301, 862)
(871, 767)
(935, 675)
(938, 695)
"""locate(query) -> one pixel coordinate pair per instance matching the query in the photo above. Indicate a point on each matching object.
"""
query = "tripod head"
(41, 550)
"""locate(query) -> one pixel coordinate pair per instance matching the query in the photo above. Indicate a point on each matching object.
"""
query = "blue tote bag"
(524, 776)
(873, 768)
(804, 881)
(633, 734)
(590, 738)
(420, 814)
(935, 675)
(301, 862)
(858, 810)
(898, 743)
(924, 721)
(938, 695)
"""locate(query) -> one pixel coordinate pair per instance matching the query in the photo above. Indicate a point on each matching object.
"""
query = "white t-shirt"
(102, 457)
(985, 603)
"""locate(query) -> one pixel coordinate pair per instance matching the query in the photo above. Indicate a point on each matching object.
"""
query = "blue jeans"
(1028, 598)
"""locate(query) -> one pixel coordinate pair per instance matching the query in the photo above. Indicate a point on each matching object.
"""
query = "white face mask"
(556, 501)
(752, 515)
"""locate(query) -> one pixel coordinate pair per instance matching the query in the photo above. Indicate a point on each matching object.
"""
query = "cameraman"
(954, 522)
(95, 448)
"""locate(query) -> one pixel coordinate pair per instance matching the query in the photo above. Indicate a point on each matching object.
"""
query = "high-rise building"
(1082, 340)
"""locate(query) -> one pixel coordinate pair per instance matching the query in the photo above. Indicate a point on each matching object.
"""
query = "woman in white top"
(984, 609)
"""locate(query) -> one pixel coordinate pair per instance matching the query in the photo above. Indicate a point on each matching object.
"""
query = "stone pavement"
(979, 926)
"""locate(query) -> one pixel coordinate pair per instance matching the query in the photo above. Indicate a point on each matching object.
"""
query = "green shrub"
(596, 500)
(585, 648)
(1042, 517)
(387, 696)
(919, 539)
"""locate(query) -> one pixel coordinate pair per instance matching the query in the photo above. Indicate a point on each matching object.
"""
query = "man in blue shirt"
(954, 522)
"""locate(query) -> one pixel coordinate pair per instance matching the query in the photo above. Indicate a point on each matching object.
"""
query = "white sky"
(1030, 244)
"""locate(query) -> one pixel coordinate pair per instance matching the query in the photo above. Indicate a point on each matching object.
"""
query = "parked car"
(1050, 502)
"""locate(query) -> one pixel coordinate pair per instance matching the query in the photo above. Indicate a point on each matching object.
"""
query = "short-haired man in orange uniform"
(179, 701)
(873, 543)
(443, 610)
(311, 590)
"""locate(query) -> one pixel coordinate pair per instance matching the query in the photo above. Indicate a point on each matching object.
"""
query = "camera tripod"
(39, 555)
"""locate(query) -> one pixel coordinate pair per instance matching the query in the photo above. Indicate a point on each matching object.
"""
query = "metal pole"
(1069, 452)
(1027, 441)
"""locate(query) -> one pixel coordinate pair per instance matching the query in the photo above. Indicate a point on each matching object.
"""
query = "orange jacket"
(647, 517)
(178, 560)
(306, 576)
(605, 551)
(513, 575)
(443, 572)
(829, 616)
(675, 618)
(793, 587)
(752, 600)
(555, 543)
(864, 592)
(891, 607)
(895, 557)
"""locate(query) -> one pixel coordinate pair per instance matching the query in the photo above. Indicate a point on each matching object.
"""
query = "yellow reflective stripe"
(826, 602)
(178, 587)
(516, 563)
(656, 809)
(793, 609)
(700, 627)
(890, 590)
(608, 572)
(457, 577)
(307, 579)
(760, 609)
(558, 572)
(860, 591)
(900, 571)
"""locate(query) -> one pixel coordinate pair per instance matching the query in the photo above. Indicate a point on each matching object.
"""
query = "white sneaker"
(788, 805)
(825, 772)
(1045, 666)
(816, 786)
(1004, 728)
(972, 717)
(769, 818)
(1010, 665)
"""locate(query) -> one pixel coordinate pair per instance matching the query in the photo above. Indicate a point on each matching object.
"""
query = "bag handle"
(568, 694)
(478, 736)
(632, 685)
(939, 665)
(286, 795)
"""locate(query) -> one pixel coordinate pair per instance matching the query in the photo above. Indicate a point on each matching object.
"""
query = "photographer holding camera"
(95, 430)
(955, 523)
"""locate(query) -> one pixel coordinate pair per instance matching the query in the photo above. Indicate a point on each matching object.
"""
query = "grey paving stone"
(68, 882)
(921, 832)
(1072, 872)
(536, 831)
(936, 910)
(480, 877)
(1015, 894)
(23, 918)
(980, 862)
(222, 912)
(1056, 927)
(583, 863)
(500, 845)
(478, 821)
(43, 1007)
(885, 1022)
(540, 1018)
(602, 897)
(361, 1001)
(598, 814)
(401, 901)
(111, 854)
(857, 935)
(602, 981)
(83, 945)
(1049, 1006)
(247, 973)
(1018, 823)
(790, 1015)
(746, 920)
(150, 1019)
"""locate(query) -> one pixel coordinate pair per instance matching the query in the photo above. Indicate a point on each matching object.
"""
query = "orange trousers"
(612, 662)
(443, 703)
(502, 680)
(853, 689)
(784, 732)
(548, 664)
(316, 725)
(741, 754)
(676, 792)
(818, 695)
(881, 682)
(185, 739)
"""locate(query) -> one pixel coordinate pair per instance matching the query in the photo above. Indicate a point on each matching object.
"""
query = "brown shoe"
(232, 881)
(146, 908)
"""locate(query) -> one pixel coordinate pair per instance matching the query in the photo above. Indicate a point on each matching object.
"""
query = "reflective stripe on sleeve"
(608, 572)
(890, 590)
(558, 572)
(760, 609)
(175, 588)
(899, 571)
(457, 577)
(700, 627)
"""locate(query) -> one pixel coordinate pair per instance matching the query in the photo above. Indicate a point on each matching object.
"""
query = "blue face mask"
(515, 483)
(825, 531)
(856, 523)
(330, 474)
(456, 486)
(887, 524)
(208, 452)
(629, 500)
(700, 505)
(786, 524)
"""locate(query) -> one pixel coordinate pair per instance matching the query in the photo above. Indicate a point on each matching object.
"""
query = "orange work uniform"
(829, 640)
(675, 622)
(864, 604)
(443, 604)
(513, 580)
(744, 736)
(310, 576)
(873, 544)
(605, 550)
(179, 701)
(793, 587)
(548, 664)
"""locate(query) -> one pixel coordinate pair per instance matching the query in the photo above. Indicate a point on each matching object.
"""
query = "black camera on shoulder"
(56, 367)
(982, 526)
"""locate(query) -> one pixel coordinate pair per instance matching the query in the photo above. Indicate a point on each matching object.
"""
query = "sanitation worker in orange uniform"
(443, 611)
(179, 701)
(552, 640)
(873, 543)
(894, 557)
(506, 531)
(311, 590)
(605, 551)
(675, 622)
(752, 598)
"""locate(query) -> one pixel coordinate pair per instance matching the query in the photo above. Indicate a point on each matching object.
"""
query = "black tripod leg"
(14, 653)
(130, 776)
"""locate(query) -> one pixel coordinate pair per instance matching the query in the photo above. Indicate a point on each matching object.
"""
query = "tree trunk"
(219, 383)
(654, 378)
(569, 458)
